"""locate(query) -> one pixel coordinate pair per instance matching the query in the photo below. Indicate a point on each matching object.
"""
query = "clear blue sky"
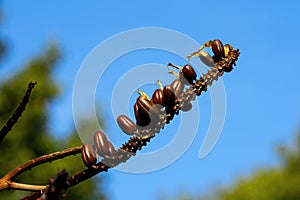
(262, 92)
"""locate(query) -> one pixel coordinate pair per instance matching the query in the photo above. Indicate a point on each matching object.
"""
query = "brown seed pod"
(111, 148)
(169, 97)
(101, 143)
(89, 156)
(177, 87)
(206, 58)
(144, 102)
(218, 48)
(141, 115)
(188, 74)
(148, 106)
(126, 124)
(157, 97)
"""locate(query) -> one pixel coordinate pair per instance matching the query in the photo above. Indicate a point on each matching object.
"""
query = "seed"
(206, 58)
(218, 48)
(126, 124)
(111, 148)
(147, 107)
(188, 74)
(141, 115)
(88, 153)
(144, 102)
(101, 143)
(157, 97)
(169, 97)
(177, 87)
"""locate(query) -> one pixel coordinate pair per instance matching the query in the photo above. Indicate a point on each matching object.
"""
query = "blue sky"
(262, 92)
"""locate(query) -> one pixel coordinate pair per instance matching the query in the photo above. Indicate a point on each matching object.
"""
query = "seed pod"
(189, 74)
(169, 97)
(186, 107)
(144, 102)
(217, 48)
(141, 115)
(177, 87)
(111, 148)
(147, 105)
(126, 124)
(101, 143)
(206, 58)
(157, 97)
(88, 153)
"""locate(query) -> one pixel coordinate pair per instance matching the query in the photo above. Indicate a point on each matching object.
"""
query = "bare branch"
(18, 112)
(34, 162)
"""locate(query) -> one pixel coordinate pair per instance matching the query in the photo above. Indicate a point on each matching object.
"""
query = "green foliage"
(277, 183)
(30, 137)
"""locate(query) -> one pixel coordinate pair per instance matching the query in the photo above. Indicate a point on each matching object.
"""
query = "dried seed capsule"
(169, 97)
(157, 97)
(148, 106)
(101, 143)
(186, 107)
(144, 102)
(111, 148)
(206, 58)
(141, 115)
(89, 156)
(217, 48)
(177, 87)
(188, 73)
(126, 124)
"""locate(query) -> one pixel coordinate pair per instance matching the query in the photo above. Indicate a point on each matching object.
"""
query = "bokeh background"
(262, 91)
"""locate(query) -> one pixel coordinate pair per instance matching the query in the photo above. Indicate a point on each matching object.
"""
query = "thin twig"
(37, 161)
(18, 112)
(26, 187)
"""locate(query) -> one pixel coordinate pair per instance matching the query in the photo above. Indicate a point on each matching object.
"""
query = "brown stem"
(18, 112)
(36, 161)
(53, 190)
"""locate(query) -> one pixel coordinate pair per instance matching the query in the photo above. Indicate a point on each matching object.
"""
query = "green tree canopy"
(30, 136)
(276, 183)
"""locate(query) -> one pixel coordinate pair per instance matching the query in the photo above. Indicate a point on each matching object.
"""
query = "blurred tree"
(30, 136)
(278, 183)
(275, 183)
